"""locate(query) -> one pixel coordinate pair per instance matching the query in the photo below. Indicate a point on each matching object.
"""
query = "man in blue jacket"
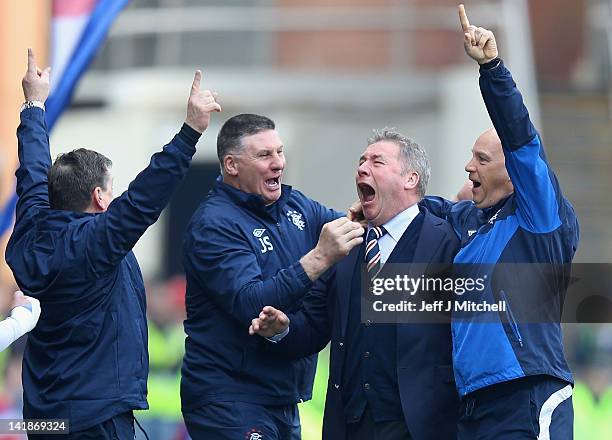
(386, 381)
(509, 367)
(252, 242)
(71, 248)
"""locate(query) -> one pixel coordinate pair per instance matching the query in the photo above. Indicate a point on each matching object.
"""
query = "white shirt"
(395, 229)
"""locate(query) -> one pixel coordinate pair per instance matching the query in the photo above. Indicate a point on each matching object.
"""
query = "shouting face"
(487, 171)
(260, 164)
(385, 189)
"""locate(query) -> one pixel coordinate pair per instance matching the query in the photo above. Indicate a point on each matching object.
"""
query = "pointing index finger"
(465, 23)
(31, 61)
(196, 81)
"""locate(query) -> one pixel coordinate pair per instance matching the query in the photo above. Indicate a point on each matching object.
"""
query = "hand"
(270, 322)
(355, 214)
(200, 105)
(465, 192)
(479, 43)
(32, 304)
(35, 82)
(19, 299)
(337, 238)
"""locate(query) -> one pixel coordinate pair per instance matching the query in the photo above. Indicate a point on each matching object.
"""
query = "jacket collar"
(254, 202)
(57, 219)
(486, 213)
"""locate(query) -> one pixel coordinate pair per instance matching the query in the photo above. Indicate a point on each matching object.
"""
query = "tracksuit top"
(239, 256)
(87, 358)
(535, 225)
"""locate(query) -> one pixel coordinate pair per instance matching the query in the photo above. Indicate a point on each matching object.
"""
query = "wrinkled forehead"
(263, 140)
(381, 149)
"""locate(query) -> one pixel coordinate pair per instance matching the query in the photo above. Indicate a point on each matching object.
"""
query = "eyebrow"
(373, 157)
(482, 154)
(269, 149)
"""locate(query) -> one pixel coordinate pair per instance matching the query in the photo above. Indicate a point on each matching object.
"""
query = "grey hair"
(412, 155)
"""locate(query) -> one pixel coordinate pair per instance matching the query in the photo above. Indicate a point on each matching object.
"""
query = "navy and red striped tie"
(372, 251)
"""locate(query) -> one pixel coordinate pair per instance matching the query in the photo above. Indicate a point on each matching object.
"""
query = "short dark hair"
(74, 175)
(235, 128)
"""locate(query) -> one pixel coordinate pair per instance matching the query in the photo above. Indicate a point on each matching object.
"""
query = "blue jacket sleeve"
(222, 261)
(112, 234)
(537, 191)
(34, 164)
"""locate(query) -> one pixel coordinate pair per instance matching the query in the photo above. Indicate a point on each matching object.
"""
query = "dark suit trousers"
(368, 429)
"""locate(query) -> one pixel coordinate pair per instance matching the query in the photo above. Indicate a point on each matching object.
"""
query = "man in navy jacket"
(387, 381)
(252, 242)
(71, 248)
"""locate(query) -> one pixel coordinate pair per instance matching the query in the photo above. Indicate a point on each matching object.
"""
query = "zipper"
(511, 320)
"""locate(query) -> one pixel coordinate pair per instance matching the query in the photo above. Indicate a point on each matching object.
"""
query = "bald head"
(487, 171)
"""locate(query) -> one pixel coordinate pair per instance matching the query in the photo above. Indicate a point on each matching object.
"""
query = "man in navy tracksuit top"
(253, 242)
(71, 248)
(511, 372)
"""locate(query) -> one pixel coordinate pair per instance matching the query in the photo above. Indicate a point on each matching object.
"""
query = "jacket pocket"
(511, 320)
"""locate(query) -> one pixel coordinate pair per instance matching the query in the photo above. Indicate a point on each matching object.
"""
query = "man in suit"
(387, 381)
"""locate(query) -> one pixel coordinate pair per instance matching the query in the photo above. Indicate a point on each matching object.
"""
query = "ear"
(411, 180)
(97, 200)
(230, 165)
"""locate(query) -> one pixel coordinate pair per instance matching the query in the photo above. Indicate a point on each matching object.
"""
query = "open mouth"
(475, 184)
(367, 192)
(273, 184)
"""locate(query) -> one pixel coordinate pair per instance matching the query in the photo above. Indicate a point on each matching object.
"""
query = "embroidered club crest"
(296, 219)
(252, 434)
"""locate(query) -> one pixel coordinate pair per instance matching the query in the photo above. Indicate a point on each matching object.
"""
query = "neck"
(401, 208)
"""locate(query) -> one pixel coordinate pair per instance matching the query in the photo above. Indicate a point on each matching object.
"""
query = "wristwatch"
(31, 104)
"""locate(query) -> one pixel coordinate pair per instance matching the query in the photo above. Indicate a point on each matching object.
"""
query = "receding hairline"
(240, 146)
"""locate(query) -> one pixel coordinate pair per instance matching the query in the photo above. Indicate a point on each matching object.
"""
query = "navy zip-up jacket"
(535, 225)
(87, 358)
(240, 256)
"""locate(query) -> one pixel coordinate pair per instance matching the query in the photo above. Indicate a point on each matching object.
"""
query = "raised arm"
(539, 200)
(33, 143)
(114, 233)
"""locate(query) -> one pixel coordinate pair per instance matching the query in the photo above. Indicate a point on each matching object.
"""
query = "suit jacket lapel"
(427, 244)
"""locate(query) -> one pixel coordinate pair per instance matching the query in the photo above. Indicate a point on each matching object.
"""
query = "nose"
(278, 162)
(470, 167)
(363, 170)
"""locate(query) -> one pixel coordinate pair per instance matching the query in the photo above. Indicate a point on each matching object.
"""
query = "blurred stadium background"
(327, 71)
